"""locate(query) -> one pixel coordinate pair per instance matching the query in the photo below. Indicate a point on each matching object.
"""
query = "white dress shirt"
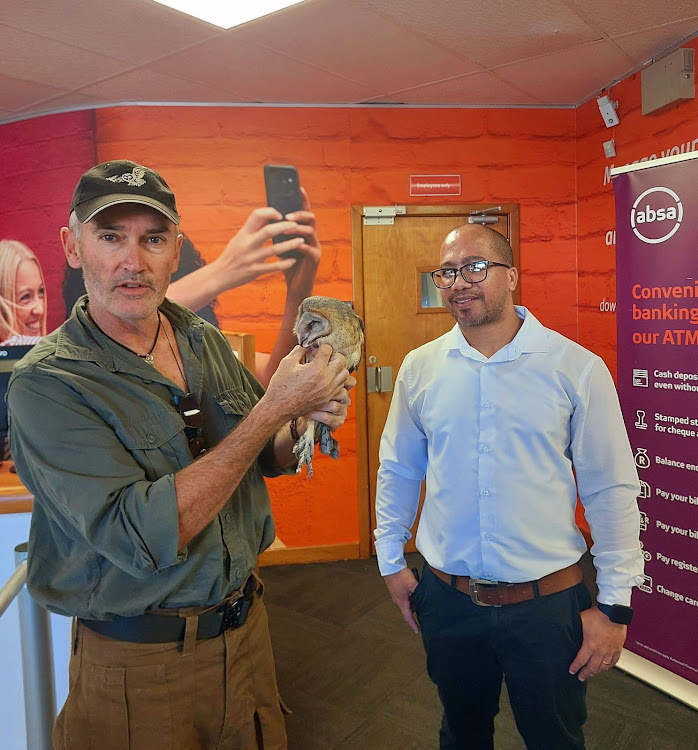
(500, 441)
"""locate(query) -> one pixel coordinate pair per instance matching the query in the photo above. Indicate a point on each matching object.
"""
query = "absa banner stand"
(657, 317)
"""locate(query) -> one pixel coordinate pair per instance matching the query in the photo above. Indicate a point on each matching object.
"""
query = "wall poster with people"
(22, 314)
(657, 313)
(229, 271)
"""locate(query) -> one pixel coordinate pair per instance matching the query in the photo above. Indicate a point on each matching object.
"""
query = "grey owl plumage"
(326, 320)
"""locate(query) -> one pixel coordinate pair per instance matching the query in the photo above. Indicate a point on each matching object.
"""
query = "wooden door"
(393, 295)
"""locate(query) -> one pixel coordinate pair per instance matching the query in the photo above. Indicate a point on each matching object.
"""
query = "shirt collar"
(79, 339)
(531, 337)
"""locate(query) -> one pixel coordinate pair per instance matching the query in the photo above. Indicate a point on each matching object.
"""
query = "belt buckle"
(473, 584)
(235, 613)
(231, 615)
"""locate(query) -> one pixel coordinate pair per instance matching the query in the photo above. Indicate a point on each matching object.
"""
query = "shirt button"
(238, 574)
(487, 404)
(485, 450)
(151, 438)
(485, 492)
(488, 536)
(228, 517)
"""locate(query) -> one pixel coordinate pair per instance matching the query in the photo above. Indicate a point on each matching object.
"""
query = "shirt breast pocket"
(157, 442)
(234, 403)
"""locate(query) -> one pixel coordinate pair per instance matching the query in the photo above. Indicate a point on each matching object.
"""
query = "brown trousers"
(218, 693)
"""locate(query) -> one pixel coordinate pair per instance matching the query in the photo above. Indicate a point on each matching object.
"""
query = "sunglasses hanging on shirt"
(189, 410)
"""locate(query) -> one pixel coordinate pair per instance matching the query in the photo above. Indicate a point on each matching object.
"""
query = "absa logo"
(656, 215)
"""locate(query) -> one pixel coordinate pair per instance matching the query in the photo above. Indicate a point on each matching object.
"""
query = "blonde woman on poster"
(22, 295)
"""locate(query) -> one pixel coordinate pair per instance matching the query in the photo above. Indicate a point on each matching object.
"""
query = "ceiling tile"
(569, 77)
(330, 51)
(642, 46)
(145, 85)
(41, 60)
(132, 30)
(16, 93)
(492, 33)
(225, 63)
(477, 88)
(71, 100)
(387, 58)
(625, 16)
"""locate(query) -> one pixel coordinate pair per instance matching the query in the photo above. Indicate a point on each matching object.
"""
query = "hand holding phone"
(284, 194)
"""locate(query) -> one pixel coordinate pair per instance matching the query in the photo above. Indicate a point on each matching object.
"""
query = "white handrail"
(37, 656)
(13, 586)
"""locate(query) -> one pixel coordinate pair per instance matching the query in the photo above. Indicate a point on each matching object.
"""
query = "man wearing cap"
(247, 256)
(145, 444)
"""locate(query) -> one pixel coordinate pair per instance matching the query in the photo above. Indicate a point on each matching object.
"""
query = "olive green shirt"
(97, 439)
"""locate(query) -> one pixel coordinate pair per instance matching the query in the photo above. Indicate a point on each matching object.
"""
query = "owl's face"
(311, 327)
(326, 320)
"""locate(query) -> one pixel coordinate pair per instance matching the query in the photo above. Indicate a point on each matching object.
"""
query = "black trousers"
(470, 649)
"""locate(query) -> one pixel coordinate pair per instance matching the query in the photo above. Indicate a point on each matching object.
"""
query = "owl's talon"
(328, 445)
(303, 451)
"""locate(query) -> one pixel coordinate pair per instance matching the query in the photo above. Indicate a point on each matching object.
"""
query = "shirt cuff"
(163, 537)
(391, 556)
(617, 594)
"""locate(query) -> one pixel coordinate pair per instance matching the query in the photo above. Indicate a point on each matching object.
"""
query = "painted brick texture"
(213, 157)
(550, 162)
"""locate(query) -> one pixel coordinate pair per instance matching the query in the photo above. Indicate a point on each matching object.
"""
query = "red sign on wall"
(434, 184)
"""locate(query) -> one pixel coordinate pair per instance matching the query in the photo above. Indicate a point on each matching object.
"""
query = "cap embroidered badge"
(134, 177)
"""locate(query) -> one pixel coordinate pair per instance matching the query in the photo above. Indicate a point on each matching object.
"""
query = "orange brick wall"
(213, 157)
(551, 162)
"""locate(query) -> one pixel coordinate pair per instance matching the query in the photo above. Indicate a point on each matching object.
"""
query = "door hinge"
(377, 215)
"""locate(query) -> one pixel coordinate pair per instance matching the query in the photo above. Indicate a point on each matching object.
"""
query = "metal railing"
(37, 656)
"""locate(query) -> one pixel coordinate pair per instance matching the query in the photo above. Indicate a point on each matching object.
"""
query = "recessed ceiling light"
(228, 13)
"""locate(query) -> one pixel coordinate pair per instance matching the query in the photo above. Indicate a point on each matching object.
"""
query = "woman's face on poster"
(30, 297)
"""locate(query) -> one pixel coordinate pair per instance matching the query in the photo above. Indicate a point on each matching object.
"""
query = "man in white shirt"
(507, 421)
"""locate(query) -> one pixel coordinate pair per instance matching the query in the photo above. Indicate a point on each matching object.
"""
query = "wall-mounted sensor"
(609, 148)
(608, 111)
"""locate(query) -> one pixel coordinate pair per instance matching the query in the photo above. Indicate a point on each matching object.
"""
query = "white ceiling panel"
(135, 31)
(225, 62)
(366, 47)
(615, 17)
(35, 58)
(570, 76)
(474, 88)
(16, 93)
(151, 86)
(495, 32)
(71, 101)
(75, 53)
(641, 46)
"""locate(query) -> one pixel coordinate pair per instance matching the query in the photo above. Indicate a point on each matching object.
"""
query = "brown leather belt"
(486, 593)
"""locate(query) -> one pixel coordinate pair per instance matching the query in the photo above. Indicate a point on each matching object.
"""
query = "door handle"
(379, 379)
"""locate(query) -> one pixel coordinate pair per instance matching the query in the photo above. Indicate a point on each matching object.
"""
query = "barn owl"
(326, 320)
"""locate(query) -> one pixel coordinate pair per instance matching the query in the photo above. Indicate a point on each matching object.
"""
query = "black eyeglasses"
(190, 412)
(473, 273)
